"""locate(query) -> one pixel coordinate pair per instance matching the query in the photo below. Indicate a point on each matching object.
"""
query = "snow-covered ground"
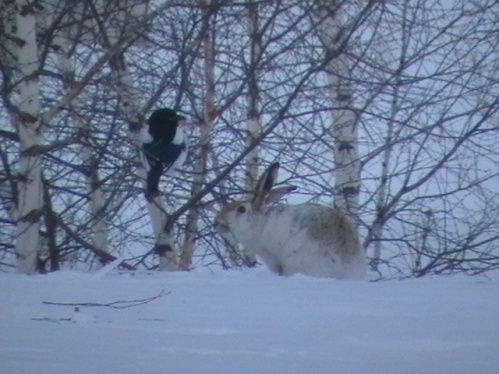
(247, 322)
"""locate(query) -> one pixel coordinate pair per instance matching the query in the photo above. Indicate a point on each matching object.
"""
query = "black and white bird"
(164, 146)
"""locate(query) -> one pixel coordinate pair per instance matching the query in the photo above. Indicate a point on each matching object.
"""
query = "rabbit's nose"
(220, 227)
(216, 224)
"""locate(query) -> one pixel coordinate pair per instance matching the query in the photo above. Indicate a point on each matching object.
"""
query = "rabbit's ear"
(264, 185)
(277, 193)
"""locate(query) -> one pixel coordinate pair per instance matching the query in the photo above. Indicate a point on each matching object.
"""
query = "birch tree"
(334, 35)
(253, 121)
(9, 139)
(130, 99)
(254, 126)
(428, 110)
(29, 129)
(206, 126)
(90, 159)
(382, 191)
(414, 83)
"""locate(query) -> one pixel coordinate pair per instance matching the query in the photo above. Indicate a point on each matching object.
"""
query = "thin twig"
(122, 304)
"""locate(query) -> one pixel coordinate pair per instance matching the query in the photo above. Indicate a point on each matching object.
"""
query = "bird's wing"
(151, 153)
(163, 151)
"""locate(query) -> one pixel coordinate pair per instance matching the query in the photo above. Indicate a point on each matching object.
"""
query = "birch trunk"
(30, 188)
(204, 137)
(129, 107)
(254, 126)
(8, 184)
(380, 197)
(131, 21)
(344, 128)
(130, 98)
(90, 162)
(253, 122)
(51, 250)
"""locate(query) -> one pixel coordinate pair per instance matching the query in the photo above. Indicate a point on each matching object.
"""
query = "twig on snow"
(121, 304)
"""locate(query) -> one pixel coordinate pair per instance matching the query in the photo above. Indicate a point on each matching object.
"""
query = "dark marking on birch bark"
(162, 249)
(345, 146)
(32, 216)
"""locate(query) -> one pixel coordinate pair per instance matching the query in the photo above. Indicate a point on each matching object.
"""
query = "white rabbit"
(309, 239)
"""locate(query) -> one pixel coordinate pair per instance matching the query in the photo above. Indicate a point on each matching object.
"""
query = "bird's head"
(164, 116)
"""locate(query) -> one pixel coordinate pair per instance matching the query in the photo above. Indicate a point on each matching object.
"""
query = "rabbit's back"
(310, 239)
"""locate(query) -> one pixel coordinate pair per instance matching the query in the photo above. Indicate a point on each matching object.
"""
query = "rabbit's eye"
(241, 209)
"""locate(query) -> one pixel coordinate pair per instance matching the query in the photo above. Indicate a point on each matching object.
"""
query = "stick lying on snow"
(122, 304)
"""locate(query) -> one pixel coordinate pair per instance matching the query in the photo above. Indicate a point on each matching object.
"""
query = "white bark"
(98, 224)
(344, 127)
(254, 126)
(30, 189)
(130, 99)
(253, 122)
(204, 137)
